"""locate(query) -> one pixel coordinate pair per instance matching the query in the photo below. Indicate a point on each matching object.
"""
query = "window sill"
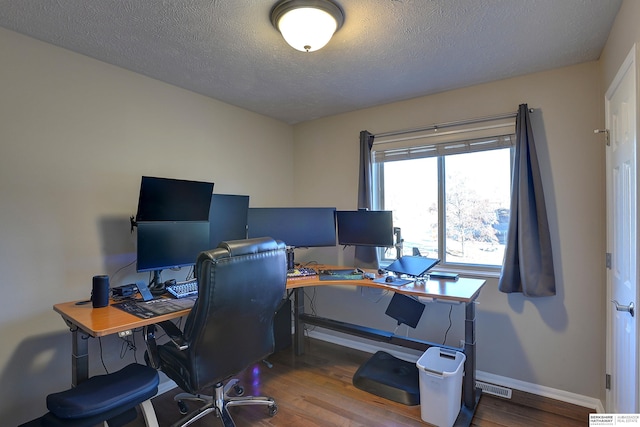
(471, 272)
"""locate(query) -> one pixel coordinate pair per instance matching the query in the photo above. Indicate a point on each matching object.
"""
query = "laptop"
(414, 266)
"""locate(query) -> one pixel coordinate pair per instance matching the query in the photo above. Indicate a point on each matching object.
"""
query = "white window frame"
(435, 143)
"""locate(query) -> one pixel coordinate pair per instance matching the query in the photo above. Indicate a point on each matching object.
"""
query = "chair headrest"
(251, 246)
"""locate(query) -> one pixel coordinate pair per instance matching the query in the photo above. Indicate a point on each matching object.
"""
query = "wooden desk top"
(463, 290)
(99, 322)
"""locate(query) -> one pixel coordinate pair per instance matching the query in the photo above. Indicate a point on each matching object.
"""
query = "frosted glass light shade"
(307, 25)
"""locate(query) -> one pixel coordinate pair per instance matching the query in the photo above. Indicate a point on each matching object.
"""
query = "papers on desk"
(156, 307)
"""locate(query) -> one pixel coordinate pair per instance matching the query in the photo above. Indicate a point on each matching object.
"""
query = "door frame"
(629, 61)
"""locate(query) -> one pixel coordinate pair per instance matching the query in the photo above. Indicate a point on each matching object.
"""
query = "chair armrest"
(174, 333)
(151, 355)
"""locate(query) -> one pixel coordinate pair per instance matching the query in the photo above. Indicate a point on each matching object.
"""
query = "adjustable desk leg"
(470, 396)
(298, 326)
(469, 388)
(79, 356)
(470, 352)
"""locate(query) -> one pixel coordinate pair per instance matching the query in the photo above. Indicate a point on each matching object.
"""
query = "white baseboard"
(553, 393)
(412, 356)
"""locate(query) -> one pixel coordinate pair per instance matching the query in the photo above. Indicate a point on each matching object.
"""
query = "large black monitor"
(365, 228)
(228, 218)
(296, 227)
(167, 199)
(169, 244)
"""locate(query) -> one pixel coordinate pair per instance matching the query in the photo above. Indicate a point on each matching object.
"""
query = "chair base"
(220, 402)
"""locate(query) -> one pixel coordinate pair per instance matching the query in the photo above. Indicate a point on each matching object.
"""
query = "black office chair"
(240, 286)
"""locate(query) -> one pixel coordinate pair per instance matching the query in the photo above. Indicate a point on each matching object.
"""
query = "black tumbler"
(100, 291)
(290, 259)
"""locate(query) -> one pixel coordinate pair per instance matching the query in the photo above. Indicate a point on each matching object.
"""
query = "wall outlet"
(126, 333)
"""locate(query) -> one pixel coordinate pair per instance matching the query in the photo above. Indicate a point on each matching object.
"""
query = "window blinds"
(437, 143)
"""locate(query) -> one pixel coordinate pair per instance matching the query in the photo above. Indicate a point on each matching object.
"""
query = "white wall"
(623, 35)
(76, 135)
(555, 342)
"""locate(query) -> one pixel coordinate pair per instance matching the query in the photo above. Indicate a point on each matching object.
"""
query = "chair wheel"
(273, 409)
(239, 390)
(182, 407)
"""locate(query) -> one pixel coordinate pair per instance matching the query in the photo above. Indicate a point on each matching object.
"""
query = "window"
(449, 192)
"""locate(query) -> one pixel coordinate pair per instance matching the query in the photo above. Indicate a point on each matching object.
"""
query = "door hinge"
(607, 382)
(608, 260)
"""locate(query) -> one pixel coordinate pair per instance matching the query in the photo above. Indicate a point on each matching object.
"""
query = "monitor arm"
(399, 240)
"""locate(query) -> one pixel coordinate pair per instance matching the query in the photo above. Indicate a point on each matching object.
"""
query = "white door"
(622, 238)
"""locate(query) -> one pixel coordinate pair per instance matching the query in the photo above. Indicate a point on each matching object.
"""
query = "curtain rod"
(449, 124)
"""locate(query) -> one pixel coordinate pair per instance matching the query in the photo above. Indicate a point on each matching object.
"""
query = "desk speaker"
(100, 291)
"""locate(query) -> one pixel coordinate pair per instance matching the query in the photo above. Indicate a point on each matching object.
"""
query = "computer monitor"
(228, 218)
(167, 199)
(162, 245)
(296, 227)
(365, 228)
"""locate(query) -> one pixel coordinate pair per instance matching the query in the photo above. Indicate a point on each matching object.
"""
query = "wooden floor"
(316, 390)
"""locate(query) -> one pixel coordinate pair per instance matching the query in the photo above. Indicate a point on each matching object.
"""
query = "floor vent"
(494, 389)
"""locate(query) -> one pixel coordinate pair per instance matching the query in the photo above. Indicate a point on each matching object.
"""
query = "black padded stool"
(111, 398)
(387, 376)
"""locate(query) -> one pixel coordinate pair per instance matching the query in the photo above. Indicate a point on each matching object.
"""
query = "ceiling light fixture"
(307, 25)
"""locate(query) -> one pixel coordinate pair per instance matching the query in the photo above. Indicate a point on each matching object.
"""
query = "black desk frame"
(470, 395)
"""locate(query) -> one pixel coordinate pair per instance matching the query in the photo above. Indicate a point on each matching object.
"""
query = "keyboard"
(301, 272)
(183, 289)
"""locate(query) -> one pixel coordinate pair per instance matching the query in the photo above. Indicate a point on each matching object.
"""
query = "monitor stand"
(156, 286)
(366, 257)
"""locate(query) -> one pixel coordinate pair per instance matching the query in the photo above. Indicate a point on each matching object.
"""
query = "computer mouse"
(389, 279)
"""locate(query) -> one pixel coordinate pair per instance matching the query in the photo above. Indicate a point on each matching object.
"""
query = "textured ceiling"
(387, 50)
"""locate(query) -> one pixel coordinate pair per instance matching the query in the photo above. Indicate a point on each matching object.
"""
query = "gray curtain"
(528, 262)
(365, 178)
(365, 256)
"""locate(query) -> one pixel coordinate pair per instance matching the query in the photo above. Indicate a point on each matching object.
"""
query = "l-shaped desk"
(85, 321)
(463, 290)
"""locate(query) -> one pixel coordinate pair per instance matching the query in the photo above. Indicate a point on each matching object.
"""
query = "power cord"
(120, 269)
(312, 306)
(102, 355)
(370, 293)
(129, 344)
(450, 323)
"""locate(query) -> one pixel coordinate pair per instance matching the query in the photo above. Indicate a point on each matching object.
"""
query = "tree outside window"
(461, 217)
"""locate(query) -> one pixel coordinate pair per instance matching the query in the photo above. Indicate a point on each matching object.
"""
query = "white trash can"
(440, 375)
